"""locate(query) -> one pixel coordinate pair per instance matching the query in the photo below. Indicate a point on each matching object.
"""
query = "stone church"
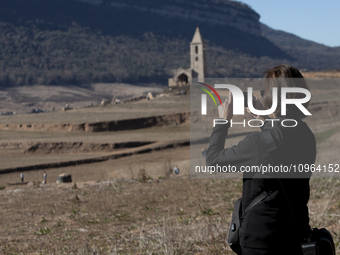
(183, 77)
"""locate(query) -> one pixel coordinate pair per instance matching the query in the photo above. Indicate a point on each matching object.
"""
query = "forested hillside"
(310, 55)
(85, 41)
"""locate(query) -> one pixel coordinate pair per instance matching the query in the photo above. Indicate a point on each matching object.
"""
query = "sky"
(315, 20)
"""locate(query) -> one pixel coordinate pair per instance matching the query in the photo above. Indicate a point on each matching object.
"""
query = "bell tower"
(198, 55)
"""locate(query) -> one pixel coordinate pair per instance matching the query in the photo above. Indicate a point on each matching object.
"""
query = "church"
(183, 77)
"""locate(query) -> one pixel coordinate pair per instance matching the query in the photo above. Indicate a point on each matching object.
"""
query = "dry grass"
(322, 74)
(167, 216)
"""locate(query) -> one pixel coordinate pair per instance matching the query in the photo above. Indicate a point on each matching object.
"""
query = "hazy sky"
(314, 20)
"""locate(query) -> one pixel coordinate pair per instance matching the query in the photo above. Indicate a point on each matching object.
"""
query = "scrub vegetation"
(160, 216)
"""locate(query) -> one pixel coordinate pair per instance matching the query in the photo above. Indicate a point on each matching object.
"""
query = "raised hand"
(225, 111)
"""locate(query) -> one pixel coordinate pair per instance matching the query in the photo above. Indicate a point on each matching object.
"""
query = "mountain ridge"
(77, 42)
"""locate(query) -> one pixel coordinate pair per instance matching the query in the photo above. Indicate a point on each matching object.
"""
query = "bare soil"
(24, 99)
(134, 204)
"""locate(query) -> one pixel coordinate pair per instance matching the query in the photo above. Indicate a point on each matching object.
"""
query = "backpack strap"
(256, 200)
(269, 143)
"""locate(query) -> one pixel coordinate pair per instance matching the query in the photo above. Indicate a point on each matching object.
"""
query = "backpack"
(233, 238)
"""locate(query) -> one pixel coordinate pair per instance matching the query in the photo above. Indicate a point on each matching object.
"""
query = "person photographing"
(279, 223)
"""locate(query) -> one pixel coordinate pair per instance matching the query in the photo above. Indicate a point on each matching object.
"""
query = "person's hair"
(284, 76)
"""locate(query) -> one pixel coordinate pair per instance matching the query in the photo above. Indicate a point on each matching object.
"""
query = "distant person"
(45, 177)
(22, 177)
(176, 170)
(204, 153)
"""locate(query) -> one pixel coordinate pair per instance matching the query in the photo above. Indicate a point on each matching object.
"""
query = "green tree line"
(77, 55)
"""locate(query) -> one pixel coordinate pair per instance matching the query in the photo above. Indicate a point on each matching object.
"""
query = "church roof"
(197, 37)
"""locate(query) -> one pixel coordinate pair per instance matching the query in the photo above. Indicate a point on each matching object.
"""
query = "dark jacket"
(271, 222)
